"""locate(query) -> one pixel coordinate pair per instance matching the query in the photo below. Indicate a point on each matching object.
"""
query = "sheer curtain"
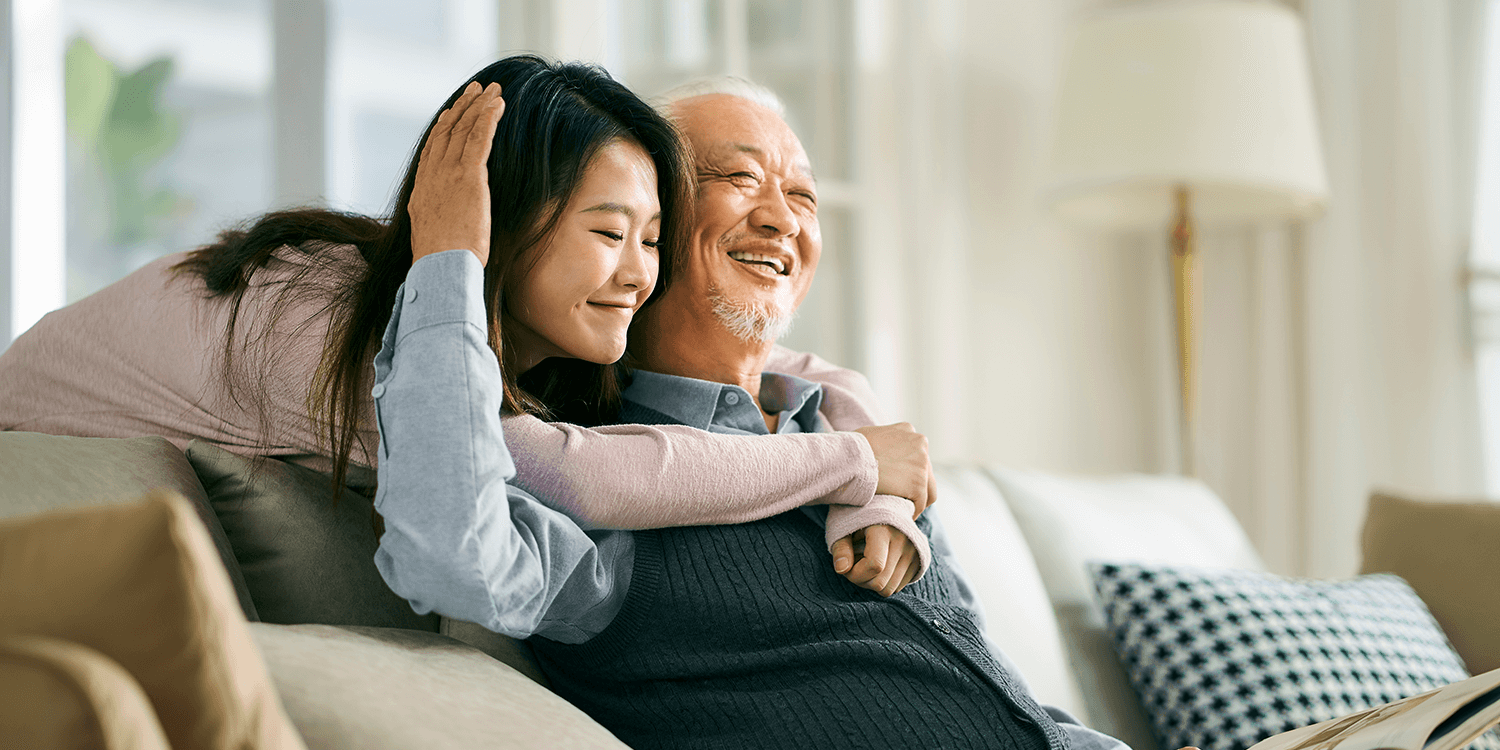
(1337, 355)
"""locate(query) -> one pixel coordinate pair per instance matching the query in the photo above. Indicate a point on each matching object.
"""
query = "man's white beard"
(749, 322)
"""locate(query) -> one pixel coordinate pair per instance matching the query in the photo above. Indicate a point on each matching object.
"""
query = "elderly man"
(772, 649)
(743, 636)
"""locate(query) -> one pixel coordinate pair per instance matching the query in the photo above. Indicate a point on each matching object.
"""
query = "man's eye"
(813, 199)
(745, 178)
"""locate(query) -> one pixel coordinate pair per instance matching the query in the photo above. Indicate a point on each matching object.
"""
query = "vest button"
(731, 398)
(942, 626)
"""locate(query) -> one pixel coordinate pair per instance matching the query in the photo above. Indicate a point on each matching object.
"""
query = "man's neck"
(672, 342)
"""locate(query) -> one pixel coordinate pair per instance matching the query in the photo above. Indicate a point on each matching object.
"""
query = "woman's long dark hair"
(557, 117)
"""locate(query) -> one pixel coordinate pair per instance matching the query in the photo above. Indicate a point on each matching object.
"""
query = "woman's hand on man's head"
(450, 202)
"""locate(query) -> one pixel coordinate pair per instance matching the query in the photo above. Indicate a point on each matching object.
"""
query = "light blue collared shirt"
(459, 540)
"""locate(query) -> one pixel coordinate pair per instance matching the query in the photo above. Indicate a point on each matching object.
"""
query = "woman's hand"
(905, 469)
(888, 560)
(450, 202)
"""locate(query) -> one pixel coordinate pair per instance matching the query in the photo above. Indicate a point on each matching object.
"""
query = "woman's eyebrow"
(611, 208)
(616, 208)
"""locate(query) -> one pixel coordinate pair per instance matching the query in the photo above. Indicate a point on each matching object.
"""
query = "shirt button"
(378, 390)
(411, 294)
(940, 625)
(731, 398)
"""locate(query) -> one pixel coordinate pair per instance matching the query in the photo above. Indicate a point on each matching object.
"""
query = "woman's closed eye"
(613, 235)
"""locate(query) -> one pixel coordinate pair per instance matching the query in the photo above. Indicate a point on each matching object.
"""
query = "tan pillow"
(142, 584)
(50, 472)
(57, 694)
(1450, 554)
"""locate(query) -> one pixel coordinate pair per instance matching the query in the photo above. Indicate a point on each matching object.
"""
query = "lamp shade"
(1211, 94)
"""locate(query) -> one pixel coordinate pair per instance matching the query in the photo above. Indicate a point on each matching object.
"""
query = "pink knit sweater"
(141, 357)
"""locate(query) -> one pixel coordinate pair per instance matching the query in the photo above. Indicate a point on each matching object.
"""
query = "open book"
(1448, 718)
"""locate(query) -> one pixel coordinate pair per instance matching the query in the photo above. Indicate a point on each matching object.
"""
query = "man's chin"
(750, 322)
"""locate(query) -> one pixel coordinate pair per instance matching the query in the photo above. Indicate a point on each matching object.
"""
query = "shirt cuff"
(890, 510)
(446, 287)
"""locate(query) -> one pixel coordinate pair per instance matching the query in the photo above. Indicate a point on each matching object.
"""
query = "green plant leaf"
(138, 133)
(89, 85)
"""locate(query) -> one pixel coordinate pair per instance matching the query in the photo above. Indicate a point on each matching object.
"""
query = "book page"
(1405, 724)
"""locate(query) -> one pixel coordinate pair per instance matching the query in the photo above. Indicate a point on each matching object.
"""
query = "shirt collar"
(705, 404)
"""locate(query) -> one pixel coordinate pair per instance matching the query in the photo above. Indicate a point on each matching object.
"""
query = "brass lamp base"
(1185, 293)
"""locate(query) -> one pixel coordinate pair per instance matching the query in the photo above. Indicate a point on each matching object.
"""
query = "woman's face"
(596, 268)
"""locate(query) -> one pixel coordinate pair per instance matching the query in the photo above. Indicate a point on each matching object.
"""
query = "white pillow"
(1070, 521)
(995, 558)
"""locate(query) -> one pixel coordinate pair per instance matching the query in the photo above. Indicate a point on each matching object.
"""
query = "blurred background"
(1350, 350)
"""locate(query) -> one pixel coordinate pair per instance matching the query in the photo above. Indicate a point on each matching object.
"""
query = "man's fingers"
(843, 555)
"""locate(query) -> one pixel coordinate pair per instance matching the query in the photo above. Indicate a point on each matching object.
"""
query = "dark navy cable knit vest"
(743, 636)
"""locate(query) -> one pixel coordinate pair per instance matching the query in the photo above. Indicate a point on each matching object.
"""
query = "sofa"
(355, 668)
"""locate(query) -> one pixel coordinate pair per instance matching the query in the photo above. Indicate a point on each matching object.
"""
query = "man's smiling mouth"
(774, 263)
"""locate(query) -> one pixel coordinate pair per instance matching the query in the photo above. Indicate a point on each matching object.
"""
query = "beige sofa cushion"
(1450, 554)
(997, 561)
(47, 472)
(142, 584)
(1070, 521)
(57, 695)
(355, 688)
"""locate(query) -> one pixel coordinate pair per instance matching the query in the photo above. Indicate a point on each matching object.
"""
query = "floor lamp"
(1178, 113)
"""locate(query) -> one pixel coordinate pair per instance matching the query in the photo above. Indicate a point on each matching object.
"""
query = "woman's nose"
(637, 269)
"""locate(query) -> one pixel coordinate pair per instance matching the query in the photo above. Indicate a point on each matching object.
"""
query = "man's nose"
(774, 215)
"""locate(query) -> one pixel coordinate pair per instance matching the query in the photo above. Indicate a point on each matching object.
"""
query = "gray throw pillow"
(41, 472)
(305, 558)
(1225, 658)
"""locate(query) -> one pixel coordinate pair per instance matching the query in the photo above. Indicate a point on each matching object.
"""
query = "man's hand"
(905, 469)
(450, 201)
(887, 559)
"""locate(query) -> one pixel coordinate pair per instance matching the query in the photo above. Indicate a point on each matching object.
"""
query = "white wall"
(1333, 358)
(1070, 365)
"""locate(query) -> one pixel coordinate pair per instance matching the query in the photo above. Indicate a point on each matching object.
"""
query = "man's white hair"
(719, 84)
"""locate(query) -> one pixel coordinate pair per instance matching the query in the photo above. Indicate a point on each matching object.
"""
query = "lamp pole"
(1185, 294)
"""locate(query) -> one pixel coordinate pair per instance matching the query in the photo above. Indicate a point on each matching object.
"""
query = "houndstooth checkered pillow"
(1224, 658)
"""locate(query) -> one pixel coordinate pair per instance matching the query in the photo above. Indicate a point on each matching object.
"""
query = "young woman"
(305, 295)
